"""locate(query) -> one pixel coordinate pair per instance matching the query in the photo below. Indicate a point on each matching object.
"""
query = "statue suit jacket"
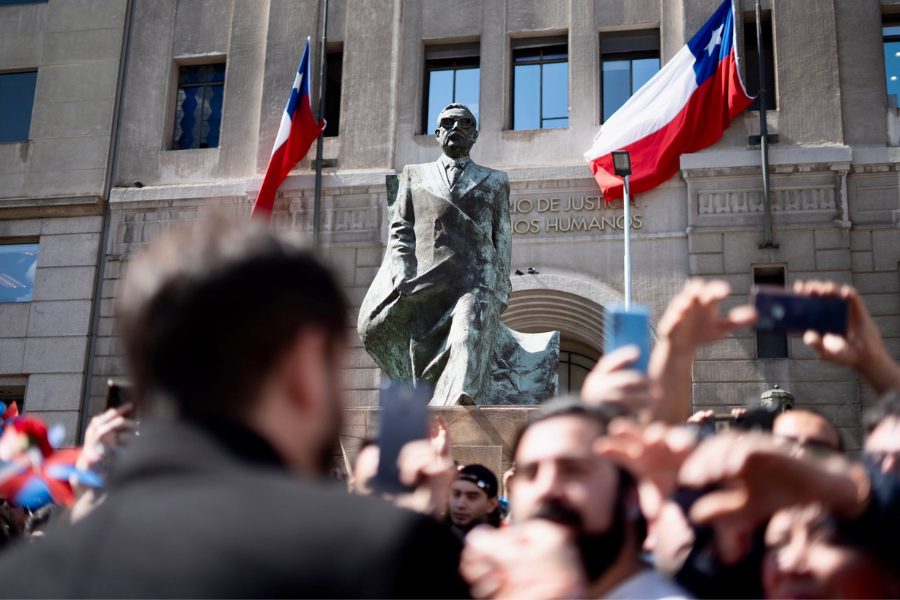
(443, 244)
(209, 511)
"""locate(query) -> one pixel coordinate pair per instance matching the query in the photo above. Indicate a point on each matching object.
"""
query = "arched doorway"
(573, 369)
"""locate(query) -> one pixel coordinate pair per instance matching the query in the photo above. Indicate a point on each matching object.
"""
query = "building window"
(573, 369)
(770, 344)
(751, 59)
(17, 265)
(16, 103)
(12, 393)
(198, 109)
(628, 61)
(334, 68)
(891, 33)
(452, 74)
(540, 86)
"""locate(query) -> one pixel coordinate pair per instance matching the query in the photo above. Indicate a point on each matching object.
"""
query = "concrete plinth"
(479, 434)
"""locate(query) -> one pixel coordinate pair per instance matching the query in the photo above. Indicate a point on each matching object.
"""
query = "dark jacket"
(211, 512)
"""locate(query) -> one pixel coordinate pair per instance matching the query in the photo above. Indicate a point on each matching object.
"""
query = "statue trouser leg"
(473, 327)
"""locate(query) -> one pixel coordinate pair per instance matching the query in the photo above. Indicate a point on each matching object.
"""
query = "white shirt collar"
(462, 163)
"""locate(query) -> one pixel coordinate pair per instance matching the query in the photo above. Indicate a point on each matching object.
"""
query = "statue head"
(456, 130)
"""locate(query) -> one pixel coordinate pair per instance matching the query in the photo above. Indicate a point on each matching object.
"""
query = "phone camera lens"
(778, 312)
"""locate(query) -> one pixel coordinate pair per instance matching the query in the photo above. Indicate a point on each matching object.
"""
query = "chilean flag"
(684, 108)
(297, 133)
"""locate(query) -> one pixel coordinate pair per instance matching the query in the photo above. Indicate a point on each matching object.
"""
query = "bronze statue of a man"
(432, 315)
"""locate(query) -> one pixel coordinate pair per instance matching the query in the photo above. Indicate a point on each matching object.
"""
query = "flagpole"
(317, 207)
(627, 245)
(764, 130)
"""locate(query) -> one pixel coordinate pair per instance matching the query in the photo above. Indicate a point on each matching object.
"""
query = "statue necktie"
(454, 171)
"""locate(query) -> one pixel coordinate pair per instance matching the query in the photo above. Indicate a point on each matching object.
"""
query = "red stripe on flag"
(655, 158)
(304, 131)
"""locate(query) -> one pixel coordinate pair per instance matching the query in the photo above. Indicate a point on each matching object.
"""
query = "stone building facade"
(835, 175)
(53, 189)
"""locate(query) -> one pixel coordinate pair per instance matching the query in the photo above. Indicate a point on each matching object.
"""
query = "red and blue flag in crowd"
(36, 473)
(296, 134)
(684, 108)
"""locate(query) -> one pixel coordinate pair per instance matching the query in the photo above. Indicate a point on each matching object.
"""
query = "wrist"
(680, 349)
(880, 371)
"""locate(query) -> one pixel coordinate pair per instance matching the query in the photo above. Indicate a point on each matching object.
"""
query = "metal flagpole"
(764, 129)
(627, 245)
(317, 207)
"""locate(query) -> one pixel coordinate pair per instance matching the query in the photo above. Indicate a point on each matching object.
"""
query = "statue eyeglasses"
(464, 122)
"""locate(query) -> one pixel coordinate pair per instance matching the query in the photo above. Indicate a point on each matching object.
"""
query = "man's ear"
(304, 368)
(494, 503)
(475, 136)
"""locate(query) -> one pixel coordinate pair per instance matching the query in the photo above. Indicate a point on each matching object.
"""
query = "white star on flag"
(715, 40)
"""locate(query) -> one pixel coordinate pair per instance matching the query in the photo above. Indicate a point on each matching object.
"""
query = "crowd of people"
(235, 342)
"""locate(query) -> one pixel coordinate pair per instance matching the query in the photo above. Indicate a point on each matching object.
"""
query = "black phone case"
(404, 418)
(780, 310)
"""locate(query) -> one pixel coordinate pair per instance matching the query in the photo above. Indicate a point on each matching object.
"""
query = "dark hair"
(840, 440)
(566, 406)
(208, 311)
(482, 477)
(888, 406)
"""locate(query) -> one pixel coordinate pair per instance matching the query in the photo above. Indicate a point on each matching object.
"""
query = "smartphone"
(782, 310)
(628, 328)
(404, 418)
(757, 418)
(118, 392)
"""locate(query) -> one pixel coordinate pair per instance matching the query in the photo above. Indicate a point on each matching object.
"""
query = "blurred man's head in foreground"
(559, 477)
(807, 557)
(227, 320)
(882, 423)
(810, 432)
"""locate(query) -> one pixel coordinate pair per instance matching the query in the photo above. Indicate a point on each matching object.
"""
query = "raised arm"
(862, 347)
(691, 320)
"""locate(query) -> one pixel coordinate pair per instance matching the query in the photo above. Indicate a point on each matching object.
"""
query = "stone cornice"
(30, 208)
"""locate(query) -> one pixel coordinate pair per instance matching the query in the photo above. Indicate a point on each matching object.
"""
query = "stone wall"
(51, 189)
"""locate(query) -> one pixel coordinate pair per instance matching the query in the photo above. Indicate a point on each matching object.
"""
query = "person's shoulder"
(413, 555)
(329, 506)
(43, 569)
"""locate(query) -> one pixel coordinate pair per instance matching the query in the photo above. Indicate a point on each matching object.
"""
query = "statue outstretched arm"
(402, 233)
(503, 241)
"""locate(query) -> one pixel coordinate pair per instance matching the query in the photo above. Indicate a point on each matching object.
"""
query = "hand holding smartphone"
(404, 418)
(782, 310)
(628, 328)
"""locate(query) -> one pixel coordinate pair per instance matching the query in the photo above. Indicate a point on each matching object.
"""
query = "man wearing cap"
(473, 499)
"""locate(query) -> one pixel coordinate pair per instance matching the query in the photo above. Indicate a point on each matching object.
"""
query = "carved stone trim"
(32, 208)
(715, 202)
(359, 218)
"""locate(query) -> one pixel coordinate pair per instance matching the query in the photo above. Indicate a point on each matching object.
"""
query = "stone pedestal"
(479, 434)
